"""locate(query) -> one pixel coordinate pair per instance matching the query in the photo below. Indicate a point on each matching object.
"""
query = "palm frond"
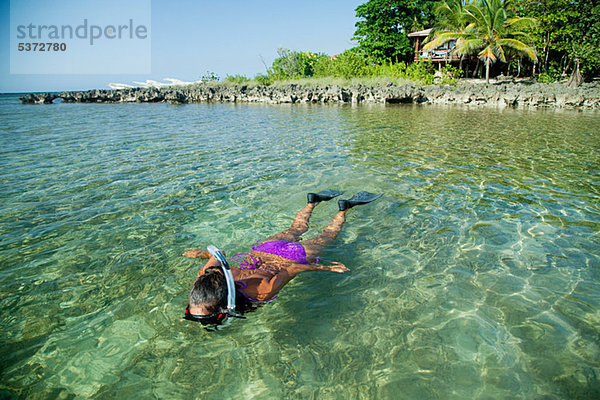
(470, 46)
(522, 23)
(474, 15)
(519, 47)
(442, 38)
(487, 54)
(499, 17)
(499, 51)
(522, 36)
(471, 28)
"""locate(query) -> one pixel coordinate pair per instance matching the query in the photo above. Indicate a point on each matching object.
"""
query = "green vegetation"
(487, 29)
(384, 25)
(236, 79)
(349, 67)
(210, 77)
(547, 39)
(294, 64)
(567, 37)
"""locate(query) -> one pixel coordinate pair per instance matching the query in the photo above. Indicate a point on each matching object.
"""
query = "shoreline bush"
(351, 64)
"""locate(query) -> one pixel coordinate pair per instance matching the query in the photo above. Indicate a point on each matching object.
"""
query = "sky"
(182, 39)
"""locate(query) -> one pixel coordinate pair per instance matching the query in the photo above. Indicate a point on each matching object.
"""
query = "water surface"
(475, 276)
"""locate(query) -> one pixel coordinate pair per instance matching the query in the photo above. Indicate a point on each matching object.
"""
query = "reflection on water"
(476, 276)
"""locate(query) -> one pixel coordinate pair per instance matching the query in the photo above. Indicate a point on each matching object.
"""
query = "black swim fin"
(323, 195)
(359, 198)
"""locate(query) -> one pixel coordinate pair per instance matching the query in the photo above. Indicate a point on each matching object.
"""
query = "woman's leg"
(315, 246)
(299, 225)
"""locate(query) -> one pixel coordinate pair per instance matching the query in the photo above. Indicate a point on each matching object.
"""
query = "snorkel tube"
(220, 257)
(218, 254)
(219, 317)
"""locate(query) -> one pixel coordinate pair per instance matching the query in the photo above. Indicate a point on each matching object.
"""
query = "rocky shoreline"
(498, 94)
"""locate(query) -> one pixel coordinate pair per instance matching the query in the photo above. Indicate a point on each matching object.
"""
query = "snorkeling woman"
(270, 264)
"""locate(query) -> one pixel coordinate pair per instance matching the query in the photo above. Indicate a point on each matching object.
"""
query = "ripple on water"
(475, 276)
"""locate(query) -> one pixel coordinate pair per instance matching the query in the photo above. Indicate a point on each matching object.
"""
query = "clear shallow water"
(476, 276)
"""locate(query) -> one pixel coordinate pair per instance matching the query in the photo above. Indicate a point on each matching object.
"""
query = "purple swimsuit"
(291, 250)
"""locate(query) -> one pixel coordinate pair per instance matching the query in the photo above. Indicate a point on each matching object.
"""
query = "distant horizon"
(190, 39)
(70, 90)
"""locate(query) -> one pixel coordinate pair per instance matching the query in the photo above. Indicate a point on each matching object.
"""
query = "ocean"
(476, 275)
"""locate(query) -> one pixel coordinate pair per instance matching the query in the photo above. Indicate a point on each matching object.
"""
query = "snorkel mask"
(218, 318)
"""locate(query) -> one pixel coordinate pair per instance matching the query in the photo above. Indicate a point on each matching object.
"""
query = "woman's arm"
(212, 262)
(269, 288)
(295, 269)
(198, 253)
(264, 288)
(204, 254)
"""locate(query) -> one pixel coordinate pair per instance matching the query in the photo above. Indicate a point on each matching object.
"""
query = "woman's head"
(210, 291)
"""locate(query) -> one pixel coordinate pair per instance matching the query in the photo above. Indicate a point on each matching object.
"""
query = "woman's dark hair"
(210, 289)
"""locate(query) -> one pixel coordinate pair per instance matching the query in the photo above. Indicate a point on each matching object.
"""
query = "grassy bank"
(348, 68)
(319, 82)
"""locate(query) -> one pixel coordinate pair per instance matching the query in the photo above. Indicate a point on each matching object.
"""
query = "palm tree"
(451, 17)
(491, 32)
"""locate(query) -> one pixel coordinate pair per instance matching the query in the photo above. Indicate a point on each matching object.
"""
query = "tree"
(586, 41)
(294, 64)
(553, 27)
(384, 25)
(568, 34)
(451, 17)
(492, 33)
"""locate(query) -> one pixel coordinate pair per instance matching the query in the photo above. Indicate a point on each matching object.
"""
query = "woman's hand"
(338, 267)
(198, 253)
